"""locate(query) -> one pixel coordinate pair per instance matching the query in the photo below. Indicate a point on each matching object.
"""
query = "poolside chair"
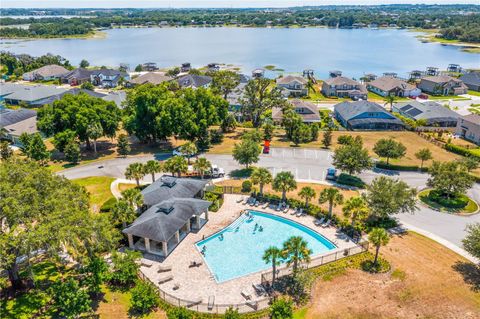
(211, 302)
(300, 213)
(246, 294)
(319, 222)
(286, 208)
(195, 264)
(245, 201)
(164, 268)
(259, 289)
(147, 263)
(327, 224)
(195, 302)
(294, 211)
(252, 304)
(240, 200)
(266, 205)
(176, 286)
(163, 280)
(257, 203)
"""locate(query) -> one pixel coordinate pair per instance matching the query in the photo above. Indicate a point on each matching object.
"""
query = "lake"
(355, 51)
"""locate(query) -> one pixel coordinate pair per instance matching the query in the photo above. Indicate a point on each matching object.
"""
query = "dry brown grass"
(428, 281)
(123, 187)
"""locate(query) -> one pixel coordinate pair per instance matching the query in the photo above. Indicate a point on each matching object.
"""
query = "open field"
(98, 188)
(427, 281)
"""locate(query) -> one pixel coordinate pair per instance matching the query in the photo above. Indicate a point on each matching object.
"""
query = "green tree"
(268, 130)
(232, 313)
(247, 152)
(61, 139)
(134, 197)
(390, 100)
(470, 162)
(139, 68)
(327, 138)
(471, 242)
(123, 148)
(332, 196)
(176, 165)
(259, 99)
(423, 155)
(224, 82)
(72, 152)
(307, 193)
(281, 309)
(228, 124)
(356, 209)
(87, 86)
(284, 182)
(144, 297)
(179, 313)
(123, 212)
(33, 147)
(5, 150)
(135, 171)
(261, 176)
(94, 274)
(301, 134)
(69, 299)
(189, 149)
(386, 196)
(252, 135)
(125, 268)
(273, 255)
(291, 121)
(152, 167)
(296, 251)
(378, 237)
(449, 178)
(202, 166)
(389, 148)
(84, 64)
(352, 158)
(94, 132)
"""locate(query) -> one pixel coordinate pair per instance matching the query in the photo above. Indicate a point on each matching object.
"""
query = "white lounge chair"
(285, 209)
(240, 200)
(300, 212)
(211, 302)
(266, 205)
(294, 211)
(164, 268)
(246, 294)
(327, 224)
(259, 289)
(163, 280)
(319, 222)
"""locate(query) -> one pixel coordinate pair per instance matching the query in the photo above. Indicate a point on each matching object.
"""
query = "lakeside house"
(16, 122)
(365, 115)
(472, 80)
(154, 78)
(45, 73)
(173, 209)
(307, 110)
(434, 114)
(293, 85)
(186, 67)
(76, 76)
(31, 95)
(341, 86)
(194, 81)
(468, 127)
(108, 78)
(442, 85)
(392, 86)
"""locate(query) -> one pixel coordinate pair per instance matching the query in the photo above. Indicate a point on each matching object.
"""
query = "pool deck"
(198, 282)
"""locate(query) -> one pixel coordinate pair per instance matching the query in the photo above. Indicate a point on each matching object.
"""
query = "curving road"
(310, 165)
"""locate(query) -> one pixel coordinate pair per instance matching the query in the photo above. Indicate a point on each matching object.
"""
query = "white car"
(217, 171)
(178, 152)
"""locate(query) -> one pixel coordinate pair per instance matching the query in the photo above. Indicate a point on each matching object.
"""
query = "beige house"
(341, 86)
(149, 77)
(392, 86)
(442, 85)
(45, 73)
(307, 110)
(468, 127)
(293, 85)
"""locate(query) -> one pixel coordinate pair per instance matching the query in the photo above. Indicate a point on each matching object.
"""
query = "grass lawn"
(471, 207)
(475, 93)
(98, 188)
(427, 281)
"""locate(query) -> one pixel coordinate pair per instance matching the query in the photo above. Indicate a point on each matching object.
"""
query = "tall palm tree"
(134, 197)
(378, 237)
(307, 193)
(284, 182)
(273, 254)
(390, 99)
(135, 171)
(261, 176)
(152, 167)
(176, 164)
(356, 208)
(296, 251)
(189, 149)
(202, 165)
(123, 212)
(332, 196)
(94, 131)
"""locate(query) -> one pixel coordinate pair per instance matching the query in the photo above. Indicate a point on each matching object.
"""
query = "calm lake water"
(355, 52)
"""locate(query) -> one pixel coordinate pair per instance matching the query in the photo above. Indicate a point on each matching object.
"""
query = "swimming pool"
(240, 251)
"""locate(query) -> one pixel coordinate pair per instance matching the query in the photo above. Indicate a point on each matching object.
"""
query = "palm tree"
(356, 208)
(310, 86)
(202, 165)
(133, 196)
(284, 182)
(307, 193)
(273, 254)
(261, 176)
(152, 167)
(94, 131)
(296, 251)
(332, 196)
(189, 149)
(378, 237)
(390, 99)
(177, 164)
(123, 212)
(135, 171)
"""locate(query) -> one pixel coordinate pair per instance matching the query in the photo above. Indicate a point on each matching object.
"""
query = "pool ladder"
(237, 223)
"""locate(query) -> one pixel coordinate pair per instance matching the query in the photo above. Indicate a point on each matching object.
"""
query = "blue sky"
(201, 3)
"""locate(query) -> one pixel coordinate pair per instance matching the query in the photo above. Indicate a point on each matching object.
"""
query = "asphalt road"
(310, 165)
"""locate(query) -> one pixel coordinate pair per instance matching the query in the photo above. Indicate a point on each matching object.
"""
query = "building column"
(198, 221)
(130, 241)
(177, 236)
(164, 248)
(189, 227)
(147, 244)
(206, 215)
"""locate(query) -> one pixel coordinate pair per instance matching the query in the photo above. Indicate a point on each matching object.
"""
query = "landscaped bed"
(459, 205)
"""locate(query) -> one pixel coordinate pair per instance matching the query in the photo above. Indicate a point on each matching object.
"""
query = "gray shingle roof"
(151, 77)
(29, 93)
(388, 83)
(49, 71)
(78, 73)
(161, 221)
(427, 110)
(73, 91)
(9, 116)
(194, 80)
(341, 80)
(471, 78)
(290, 78)
(349, 110)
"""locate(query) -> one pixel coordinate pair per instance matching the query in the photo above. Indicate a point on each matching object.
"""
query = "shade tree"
(389, 148)
(261, 177)
(247, 152)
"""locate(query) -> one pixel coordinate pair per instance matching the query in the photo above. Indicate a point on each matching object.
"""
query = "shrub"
(281, 309)
(179, 313)
(108, 205)
(381, 222)
(248, 124)
(461, 150)
(345, 139)
(232, 314)
(144, 297)
(413, 168)
(458, 201)
(380, 267)
(346, 179)
(216, 137)
(247, 186)
(216, 199)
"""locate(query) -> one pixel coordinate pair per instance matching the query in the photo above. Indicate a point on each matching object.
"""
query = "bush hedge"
(349, 180)
(458, 201)
(460, 150)
(413, 168)
(246, 186)
(108, 205)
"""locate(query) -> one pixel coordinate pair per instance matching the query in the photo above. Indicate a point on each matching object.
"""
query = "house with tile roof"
(468, 127)
(392, 86)
(442, 85)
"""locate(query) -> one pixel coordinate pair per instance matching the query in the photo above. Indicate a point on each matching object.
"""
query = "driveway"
(310, 165)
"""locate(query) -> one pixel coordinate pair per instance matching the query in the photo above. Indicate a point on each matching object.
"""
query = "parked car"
(178, 152)
(331, 174)
(217, 172)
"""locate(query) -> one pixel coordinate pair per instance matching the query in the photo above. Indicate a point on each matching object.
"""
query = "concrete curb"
(114, 186)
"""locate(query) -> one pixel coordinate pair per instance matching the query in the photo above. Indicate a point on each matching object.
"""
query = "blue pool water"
(240, 251)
